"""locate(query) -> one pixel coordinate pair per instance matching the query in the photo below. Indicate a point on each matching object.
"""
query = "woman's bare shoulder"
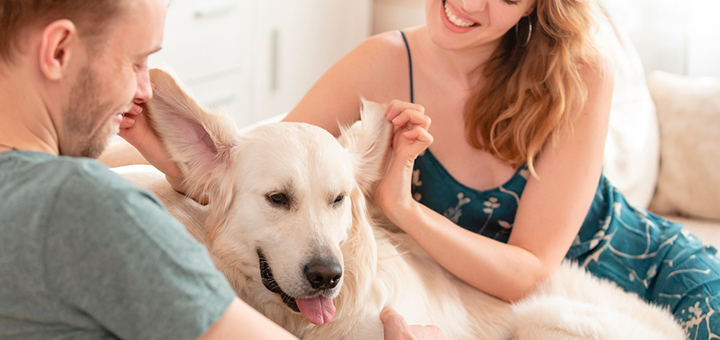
(387, 43)
(600, 74)
(383, 53)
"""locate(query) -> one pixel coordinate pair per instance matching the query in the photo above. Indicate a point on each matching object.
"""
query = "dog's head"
(286, 199)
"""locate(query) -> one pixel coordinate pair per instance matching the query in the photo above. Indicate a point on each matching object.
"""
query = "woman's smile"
(455, 20)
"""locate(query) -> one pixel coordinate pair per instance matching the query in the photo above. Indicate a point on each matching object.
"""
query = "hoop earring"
(530, 29)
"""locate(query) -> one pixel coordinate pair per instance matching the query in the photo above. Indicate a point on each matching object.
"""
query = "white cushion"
(632, 148)
(689, 114)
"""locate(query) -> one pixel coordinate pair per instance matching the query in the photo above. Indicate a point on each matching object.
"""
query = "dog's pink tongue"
(318, 310)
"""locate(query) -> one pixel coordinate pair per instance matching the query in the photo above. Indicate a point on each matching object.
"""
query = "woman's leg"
(688, 282)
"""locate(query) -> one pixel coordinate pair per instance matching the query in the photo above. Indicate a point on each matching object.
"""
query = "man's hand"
(136, 130)
(396, 328)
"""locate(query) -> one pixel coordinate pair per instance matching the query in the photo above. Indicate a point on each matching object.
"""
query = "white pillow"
(689, 114)
(632, 149)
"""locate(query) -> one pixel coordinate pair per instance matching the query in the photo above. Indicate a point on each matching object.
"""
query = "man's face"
(116, 76)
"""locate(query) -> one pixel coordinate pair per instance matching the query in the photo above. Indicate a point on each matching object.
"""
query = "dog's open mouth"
(318, 310)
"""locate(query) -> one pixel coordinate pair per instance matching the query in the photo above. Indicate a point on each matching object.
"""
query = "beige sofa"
(663, 144)
(688, 184)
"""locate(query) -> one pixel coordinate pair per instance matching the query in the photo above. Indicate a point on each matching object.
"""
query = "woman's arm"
(549, 216)
(121, 153)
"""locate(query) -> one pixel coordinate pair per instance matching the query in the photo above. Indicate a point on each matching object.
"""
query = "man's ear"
(58, 43)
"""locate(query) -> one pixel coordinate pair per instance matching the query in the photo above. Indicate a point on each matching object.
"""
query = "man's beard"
(83, 136)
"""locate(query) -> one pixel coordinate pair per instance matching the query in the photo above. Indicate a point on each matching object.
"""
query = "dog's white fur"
(239, 171)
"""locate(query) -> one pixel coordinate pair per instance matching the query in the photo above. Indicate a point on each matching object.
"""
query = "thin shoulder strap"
(412, 92)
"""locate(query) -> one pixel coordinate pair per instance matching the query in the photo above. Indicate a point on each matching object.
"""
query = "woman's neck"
(461, 64)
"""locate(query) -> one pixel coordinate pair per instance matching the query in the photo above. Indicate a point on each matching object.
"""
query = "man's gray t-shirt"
(85, 254)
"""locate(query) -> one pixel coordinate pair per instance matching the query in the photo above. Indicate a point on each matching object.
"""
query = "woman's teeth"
(454, 19)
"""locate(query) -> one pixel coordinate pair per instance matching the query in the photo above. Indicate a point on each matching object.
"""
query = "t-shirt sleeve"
(113, 252)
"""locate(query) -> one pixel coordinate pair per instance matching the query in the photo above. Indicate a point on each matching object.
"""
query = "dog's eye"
(339, 199)
(278, 198)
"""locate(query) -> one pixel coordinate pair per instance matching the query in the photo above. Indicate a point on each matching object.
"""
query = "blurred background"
(258, 58)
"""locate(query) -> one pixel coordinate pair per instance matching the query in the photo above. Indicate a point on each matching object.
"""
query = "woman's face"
(463, 24)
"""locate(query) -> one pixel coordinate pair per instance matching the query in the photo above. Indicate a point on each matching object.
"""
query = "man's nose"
(144, 88)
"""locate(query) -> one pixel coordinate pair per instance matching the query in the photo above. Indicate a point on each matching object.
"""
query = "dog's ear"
(198, 141)
(369, 141)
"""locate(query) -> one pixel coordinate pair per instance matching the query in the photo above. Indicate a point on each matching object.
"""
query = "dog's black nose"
(323, 274)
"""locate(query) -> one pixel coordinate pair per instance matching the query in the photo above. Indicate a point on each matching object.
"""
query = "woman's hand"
(410, 138)
(136, 130)
(396, 328)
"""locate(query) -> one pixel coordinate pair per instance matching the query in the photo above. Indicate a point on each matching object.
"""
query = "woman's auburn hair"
(533, 91)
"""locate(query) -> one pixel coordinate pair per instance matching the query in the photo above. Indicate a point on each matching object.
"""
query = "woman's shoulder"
(385, 42)
(599, 72)
(378, 67)
(386, 49)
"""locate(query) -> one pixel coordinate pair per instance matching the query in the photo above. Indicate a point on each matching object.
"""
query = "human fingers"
(419, 134)
(127, 122)
(135, 110)
(416, 141)
(426, 332)
(395, 326)
(395, 107)
(131, 116)
(413, 117)
(389, 314)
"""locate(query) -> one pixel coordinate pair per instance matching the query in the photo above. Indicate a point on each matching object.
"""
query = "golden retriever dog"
(288, 223)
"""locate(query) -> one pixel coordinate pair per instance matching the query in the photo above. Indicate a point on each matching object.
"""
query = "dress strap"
(412, 99)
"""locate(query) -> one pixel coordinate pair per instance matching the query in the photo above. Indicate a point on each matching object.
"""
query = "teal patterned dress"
(640, 251)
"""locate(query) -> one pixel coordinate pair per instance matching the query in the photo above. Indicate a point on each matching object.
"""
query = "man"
(83, 253)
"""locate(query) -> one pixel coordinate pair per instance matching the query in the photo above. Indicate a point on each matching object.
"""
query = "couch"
(688, 184)
(663, 144)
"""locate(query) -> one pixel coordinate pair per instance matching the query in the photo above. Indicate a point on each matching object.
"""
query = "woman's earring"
(530, 29)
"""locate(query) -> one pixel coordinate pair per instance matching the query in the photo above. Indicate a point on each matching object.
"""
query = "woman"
(519, 100)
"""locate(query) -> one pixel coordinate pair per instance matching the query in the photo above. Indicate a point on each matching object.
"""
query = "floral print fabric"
(640, 251)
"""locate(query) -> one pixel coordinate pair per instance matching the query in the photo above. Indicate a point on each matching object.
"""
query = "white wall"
(396, 14)
(258, 58)
(675, 36)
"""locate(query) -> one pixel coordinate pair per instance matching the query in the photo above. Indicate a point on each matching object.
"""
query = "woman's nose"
(470, 6)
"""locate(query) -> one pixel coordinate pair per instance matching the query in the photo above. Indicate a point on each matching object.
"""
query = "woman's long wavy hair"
(533, 89)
